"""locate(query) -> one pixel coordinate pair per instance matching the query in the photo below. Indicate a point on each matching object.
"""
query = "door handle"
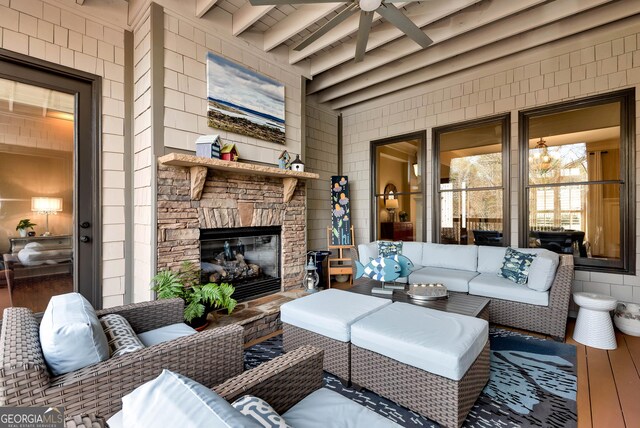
(85, 238)
(85, 225)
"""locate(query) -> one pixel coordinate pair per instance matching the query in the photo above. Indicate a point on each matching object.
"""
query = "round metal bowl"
(427, 291)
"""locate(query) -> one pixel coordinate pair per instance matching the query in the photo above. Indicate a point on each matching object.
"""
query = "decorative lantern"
(311, 278)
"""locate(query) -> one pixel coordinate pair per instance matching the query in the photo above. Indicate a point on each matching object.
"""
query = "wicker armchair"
(281, 382)
(209, 357)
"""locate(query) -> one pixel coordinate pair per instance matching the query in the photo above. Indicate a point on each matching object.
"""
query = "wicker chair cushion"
(330, 312)
(447, 347)
(490, 285)
(172, 400)
(71, 335)
(454, 280)
(165, 334)
(313, 412)
(259, 410)
(120, 336)
(461, 257)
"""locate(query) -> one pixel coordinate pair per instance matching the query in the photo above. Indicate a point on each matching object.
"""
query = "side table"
(593, 326)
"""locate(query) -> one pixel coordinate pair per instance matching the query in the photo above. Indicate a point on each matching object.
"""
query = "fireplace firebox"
(246, 257)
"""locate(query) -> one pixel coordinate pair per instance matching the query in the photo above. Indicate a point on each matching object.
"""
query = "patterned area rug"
(532, 384)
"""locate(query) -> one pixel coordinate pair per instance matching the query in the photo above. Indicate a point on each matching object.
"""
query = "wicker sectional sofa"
(460, 266)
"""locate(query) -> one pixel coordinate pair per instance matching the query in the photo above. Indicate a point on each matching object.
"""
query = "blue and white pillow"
(120, 335)
(259, 410)
(389, 248)
(516, 265)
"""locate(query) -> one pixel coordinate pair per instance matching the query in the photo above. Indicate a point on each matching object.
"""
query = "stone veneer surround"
(228, 200)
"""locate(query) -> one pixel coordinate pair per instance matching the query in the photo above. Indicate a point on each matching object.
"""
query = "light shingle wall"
(45, 31)
(596, 62)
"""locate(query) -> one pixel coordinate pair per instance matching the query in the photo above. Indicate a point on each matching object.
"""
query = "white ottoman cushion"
(438, 342)
(330, 312)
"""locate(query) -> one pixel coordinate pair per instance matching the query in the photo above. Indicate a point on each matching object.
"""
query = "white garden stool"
(594, 327)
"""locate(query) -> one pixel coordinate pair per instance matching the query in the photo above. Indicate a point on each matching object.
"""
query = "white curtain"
(595, 210)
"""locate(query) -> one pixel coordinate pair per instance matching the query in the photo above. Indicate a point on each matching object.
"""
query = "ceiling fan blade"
(347, 12)
(366, 18)
(280, 2)
(404, 24)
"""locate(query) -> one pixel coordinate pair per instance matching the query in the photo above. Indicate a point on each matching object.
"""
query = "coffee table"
(459, 303)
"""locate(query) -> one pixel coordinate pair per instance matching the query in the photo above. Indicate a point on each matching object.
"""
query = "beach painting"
(243, 101)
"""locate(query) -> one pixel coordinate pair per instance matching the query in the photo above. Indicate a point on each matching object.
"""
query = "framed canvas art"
(243, 101)
(340, 211)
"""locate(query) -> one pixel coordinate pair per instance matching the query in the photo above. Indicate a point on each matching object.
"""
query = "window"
(397, 211)
(470, 181)
(577, 180)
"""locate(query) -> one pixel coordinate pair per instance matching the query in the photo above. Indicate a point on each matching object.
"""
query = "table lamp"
(391, 205)
(46, 206)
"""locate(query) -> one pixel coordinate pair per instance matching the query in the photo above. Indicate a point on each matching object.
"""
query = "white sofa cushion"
(366, 252)
(541, 273)
(324, 408)
(71, 335)
(438, 342)
(165, 334)
(413, 250)
(461, 257)
(453, 279)
(330, 312)
(172, 400)
(491, 285)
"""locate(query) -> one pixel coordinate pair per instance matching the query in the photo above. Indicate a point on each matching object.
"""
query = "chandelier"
(541, 156)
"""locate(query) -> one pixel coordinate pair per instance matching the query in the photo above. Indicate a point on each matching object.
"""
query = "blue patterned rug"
(532, 384)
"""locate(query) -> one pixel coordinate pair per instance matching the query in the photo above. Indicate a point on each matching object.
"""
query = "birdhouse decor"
(284, 160)
(297, 165)
(208, 146)
(229, 152)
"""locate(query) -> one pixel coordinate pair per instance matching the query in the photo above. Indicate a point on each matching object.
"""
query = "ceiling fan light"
(370, 5)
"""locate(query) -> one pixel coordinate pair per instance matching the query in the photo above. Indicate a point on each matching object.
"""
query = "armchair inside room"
(209, 357)
(561, 241)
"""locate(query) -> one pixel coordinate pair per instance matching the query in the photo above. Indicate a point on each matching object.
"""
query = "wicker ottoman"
(435, 363)
(324, 320)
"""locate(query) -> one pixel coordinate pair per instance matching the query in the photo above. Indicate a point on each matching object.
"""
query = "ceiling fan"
(367, 8)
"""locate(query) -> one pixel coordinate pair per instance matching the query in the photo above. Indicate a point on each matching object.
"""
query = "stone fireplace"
(222, 195)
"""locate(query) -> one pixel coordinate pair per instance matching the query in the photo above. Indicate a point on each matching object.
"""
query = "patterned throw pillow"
(121, 337)
(389, 248)
(259, 410)
(515, 266)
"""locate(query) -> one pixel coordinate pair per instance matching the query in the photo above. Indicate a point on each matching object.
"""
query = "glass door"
(46, 201)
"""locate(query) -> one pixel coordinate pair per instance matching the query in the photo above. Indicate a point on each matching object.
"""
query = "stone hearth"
(228, 199)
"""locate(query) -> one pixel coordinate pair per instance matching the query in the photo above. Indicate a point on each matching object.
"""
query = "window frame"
(626, 98)
(421, 137)
(504, 120)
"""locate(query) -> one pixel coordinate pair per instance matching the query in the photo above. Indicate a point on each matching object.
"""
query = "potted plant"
(200, 299)
(23, 225)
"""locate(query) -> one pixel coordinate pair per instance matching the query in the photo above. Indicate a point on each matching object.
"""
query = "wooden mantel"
(200, 165)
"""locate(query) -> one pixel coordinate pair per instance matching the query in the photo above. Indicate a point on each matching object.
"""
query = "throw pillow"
(173, 400)
(120, 336)
(543, 270)
(515, 266)
(389, 248)
(259, 410)
(71, 335)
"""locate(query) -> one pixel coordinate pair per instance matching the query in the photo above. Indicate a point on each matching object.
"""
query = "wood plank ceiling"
(466, 33)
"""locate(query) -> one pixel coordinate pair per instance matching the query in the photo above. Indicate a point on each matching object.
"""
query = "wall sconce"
(416, 169)
(46, 206)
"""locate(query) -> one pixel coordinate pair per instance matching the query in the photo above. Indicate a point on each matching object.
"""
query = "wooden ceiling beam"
(476, 16)
(546, 34)
(203, 6)
(297, 22)
(384, 64)
(246, 16)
